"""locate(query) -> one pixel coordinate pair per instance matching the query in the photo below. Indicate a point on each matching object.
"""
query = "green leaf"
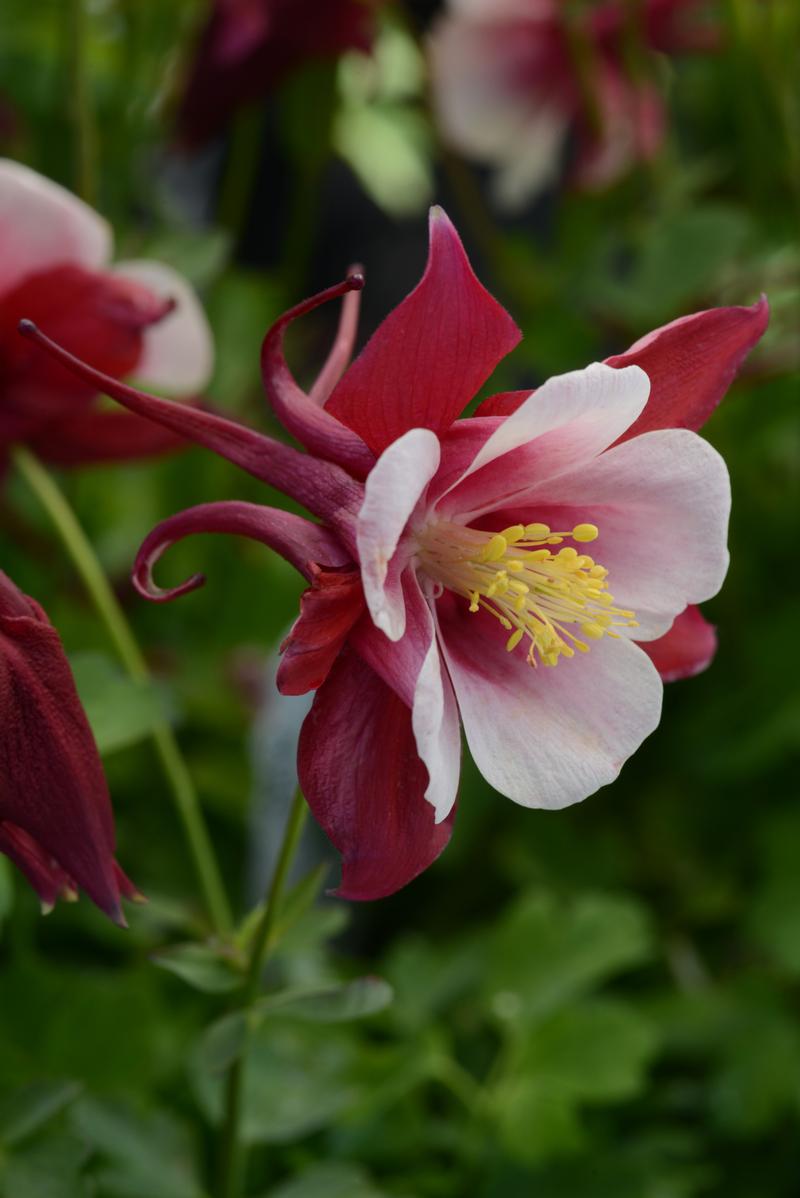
(145, 1153)
(26, 1110)
(332, 1180)
(48, 1168)
(202, 966)
(223, 1041)
(299, 1078)
(121, 712)
(569, 948)
(596, 1052)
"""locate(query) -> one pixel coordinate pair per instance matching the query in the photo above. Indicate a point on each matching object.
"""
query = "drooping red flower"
(134, 318)
(56, 823)
(249, 46)
(436, 596)
(513, 79)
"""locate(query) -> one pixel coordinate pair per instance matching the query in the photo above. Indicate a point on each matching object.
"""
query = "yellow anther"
(594, 631)
(495, 548)
(514, 639)
(534, 592)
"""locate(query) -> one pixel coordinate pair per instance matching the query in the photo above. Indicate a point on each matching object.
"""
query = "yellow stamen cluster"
(534, 592)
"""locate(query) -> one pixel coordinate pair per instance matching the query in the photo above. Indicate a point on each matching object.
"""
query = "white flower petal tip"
(392, 491)
(42, 225)
(178, 353)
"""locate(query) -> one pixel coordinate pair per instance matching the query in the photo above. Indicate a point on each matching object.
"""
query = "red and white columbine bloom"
(136, 318)
(514, 79)
(518, 572)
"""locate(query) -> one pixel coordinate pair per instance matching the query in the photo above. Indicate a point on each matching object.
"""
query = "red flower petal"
(328, 611)
(502, 404)
(431, 354)
(298, 540)
(52, 786)
(688, 648)
(691, 363)
(304, 418)
(322, 487)
(360, 772)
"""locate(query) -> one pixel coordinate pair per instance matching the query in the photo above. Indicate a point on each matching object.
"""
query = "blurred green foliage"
(599, 1003)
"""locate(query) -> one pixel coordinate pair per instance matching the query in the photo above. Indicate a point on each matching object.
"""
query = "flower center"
(536, 594)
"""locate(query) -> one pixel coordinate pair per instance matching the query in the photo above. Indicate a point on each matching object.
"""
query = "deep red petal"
(688, 648)
(502, 404)
(431, 354)
(298, 540)
(322, 487)
(328, 611)
(360, 772)
(691, 363)
(313, 425)
(51, 780)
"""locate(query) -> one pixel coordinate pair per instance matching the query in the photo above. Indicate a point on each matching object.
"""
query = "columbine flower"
(249, 46)
(135, 318)
(55, 814)
(512, 79)
(496, 571)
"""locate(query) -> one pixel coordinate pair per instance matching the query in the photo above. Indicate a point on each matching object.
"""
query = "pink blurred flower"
(449, 579)
(513, 79)
(131, 318)
(249, 46)
(55, 814)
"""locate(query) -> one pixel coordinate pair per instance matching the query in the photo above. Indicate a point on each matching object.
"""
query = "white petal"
(549, 737)
(565, 423)
(393, 488)
(44, 225)
(413, 668)
(661, 502)
(178, 353)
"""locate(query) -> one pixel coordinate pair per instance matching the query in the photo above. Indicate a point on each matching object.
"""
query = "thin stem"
(84, 132)
(75, 541)
(233, 1156)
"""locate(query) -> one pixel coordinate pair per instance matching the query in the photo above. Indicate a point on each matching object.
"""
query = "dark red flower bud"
(56, 823)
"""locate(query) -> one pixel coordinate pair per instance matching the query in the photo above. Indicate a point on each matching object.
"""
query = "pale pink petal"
(178, 352)
(487, 84)
(412, 667)
(567, 421)
(547, 737)
(43, 225)
(661, 502)
(391, 493)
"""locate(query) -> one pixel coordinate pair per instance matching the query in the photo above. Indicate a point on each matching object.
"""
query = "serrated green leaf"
(569, 948)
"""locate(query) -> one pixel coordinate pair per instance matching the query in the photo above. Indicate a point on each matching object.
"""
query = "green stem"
(84, 133)
(75, 541)
(233, 1156)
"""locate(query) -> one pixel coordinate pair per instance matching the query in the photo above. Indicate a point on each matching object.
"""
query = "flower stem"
(75, 541)
(84, 133)
(232, 1156)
